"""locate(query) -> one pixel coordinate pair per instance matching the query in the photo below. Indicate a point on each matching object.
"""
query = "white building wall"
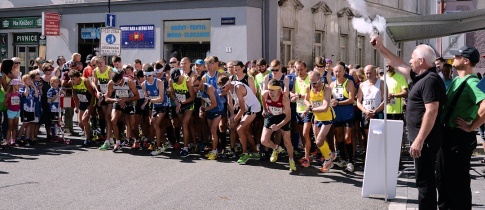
(235, 36)
(303, 44)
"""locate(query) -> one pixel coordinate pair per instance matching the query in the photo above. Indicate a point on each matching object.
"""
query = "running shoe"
(212, 156)
(274, 155)
(151, 147)
(350, 167)
(305, 162)
(125, 143)
(136, 145)
(184, 153)
(255, 156)
(117, 147)
(230, 154)
(292, 165)
(243, 159)
(12, 142)
(105, 146)
(326, 166)
(26, 143)
(146, 144)
(157, 151)
(166, 146)
(86, 143)
(341, 163)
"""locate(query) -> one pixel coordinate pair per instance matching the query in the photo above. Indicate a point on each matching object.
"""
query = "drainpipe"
(440, 10)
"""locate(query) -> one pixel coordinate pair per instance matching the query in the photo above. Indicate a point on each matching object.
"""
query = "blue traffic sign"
(110, 20)
(110, 39)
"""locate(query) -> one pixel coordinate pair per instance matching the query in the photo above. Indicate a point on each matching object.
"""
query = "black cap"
(468, 52)
(175, 74)
(88, 58)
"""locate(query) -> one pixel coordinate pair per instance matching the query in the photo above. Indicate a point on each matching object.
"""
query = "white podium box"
(382, 158)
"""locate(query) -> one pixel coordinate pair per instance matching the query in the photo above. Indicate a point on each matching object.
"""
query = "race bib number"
(15, 100)
(316, 104)
(103, 88)
(369, 104)
(180, 97)
(393, 101)
(122, 93)
(276, 110)
(82, 98)
(338, 93)
(207, 101)
(28, 108)
(300, 102)
(141, 93)
(53, 108)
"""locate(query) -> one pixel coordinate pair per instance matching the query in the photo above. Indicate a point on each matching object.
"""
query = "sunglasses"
(16, 63)
(173, 62)
(320, 67)
(314, 83)
(275, 70)
(150, 75)
(49, 70)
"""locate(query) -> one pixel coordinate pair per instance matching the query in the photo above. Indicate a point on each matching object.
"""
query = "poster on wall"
(3, 46)
(138, 36)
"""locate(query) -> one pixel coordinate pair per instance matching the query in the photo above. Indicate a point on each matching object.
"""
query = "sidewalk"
(407, 194)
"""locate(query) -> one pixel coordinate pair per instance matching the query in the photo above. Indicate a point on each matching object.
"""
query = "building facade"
(230, 29)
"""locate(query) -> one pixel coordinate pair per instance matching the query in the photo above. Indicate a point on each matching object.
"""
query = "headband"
(148, 73)
(158, 71)
(272, 87)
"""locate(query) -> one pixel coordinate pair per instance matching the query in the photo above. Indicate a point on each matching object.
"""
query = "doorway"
(27, 55)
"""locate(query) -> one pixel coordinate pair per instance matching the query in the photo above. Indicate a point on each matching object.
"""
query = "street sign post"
(110, 41)
(110, 20)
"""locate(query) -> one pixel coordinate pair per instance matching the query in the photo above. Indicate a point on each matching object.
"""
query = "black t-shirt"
(428, 87)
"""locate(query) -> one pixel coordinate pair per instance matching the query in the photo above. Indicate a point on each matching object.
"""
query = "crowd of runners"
(256, 109)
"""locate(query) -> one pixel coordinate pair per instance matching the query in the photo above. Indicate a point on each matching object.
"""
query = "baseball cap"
(381, 70)
(88, 58)
(175, 74)
(199, 62)
(468, 52)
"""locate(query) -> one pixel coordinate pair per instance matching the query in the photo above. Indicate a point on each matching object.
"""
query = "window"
(343, 48)
(360, 50)
(287, 45)
(318, 49)
(399, 49)
(376, 59)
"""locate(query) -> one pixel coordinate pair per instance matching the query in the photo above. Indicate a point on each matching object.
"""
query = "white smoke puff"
(380, 23)
(362, 26)
(365, 26)
(360, 7)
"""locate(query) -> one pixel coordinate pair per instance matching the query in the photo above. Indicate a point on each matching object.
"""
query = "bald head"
(370, 72)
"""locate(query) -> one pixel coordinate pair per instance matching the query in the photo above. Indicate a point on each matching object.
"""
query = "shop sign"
(110, 41)
(90, 33)
(25, 22)
(228, 21)
(19, 39)
(138, 36)
(187, 31)
(51, 25)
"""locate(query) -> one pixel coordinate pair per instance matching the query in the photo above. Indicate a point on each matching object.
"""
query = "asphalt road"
(56, 176)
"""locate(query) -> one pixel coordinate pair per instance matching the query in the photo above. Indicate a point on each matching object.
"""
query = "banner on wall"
(138, 36)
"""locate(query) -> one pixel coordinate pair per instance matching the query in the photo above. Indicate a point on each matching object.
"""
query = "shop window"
(287, 45)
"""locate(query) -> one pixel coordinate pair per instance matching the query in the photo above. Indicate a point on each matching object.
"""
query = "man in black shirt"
(422, 115)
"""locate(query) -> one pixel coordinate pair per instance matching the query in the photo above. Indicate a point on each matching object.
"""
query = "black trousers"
(425, 176)
(453, 169)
